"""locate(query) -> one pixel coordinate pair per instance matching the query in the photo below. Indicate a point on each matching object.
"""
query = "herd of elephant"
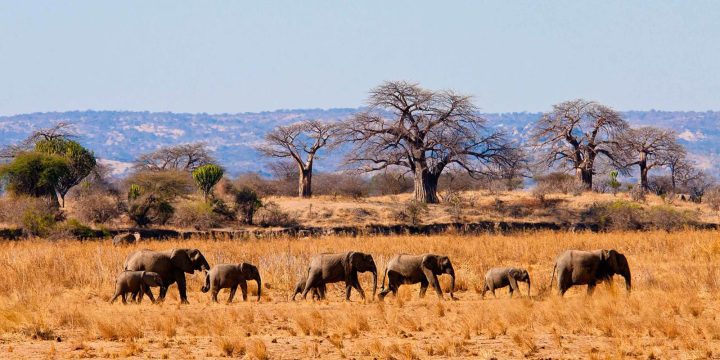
(144, 269)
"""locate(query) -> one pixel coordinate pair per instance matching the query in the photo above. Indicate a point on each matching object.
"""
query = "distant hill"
(118, 137)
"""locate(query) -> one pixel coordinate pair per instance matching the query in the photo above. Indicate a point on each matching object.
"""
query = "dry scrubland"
(54, 290)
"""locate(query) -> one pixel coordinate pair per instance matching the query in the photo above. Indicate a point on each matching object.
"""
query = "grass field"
(54, 291)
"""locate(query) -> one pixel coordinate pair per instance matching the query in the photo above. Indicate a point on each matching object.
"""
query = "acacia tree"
(424, 132)
(81, 162)
(300, 142)
(575, 133)
(647, 148)
(185, 157)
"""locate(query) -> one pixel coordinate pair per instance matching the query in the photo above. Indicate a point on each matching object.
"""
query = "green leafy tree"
(206, 177)
(247, 202)
(80, 160)
(34, 174)
(614, 183)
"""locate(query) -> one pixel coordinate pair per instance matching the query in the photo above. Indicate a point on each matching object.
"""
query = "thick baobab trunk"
(305, 183)
(426, 187)
(643, 171)
(585, 177)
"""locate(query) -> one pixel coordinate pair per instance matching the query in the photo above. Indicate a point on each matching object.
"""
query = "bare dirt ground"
(59, 290)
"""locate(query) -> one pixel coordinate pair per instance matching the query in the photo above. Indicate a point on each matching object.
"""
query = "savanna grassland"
(54, 303)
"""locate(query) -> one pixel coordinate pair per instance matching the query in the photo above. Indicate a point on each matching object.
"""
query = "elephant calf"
(126, 238)
(317, 292)
(413, 269)
(223, 276)
(497, 278)
(135, 282)
(575, 267)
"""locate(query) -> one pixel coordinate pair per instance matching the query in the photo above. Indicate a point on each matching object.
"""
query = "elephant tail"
(206, 288)
(553, 276)
(382, 284)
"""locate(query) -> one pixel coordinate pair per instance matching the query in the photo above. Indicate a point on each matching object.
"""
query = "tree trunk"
(305, 183)
(426, 187)
(585, 177)
(643, 171)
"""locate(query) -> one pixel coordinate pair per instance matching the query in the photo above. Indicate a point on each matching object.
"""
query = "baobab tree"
(424, 132)
(300, 142)
(647, 148)
(575, 133)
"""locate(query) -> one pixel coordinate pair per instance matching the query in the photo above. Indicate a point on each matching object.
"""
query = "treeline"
(408, 139)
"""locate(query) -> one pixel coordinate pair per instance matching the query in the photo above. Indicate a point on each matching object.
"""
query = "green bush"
(664, 217)
(36, 222)
(74, 228)
(615, 215)
(149, 209)
(195, 214)
(270, 214)
(247, 202)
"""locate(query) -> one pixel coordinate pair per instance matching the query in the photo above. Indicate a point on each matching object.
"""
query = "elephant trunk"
(451, 272)
(205, 288)
(259, 286)
(374, 273)
(528, 287)
(628, 279)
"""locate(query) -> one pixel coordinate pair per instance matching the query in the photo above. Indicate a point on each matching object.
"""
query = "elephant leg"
(149, 294)
(321, 290)
(115, 296)
(182, 289)
(137, 296)
(423, 287)
(162, 293)
(244, 290)
(124, 299)
(312, 279)
(356, 285)
(563, 282)
(214, 294)
(511, 291)
(232, 294)
(591, 288)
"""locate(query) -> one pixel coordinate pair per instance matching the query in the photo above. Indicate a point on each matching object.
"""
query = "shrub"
(668, 218)
(412, 212)
(389, 183)
(73, 228)
(38, 222)
(165, 184)
(195, 214)
(35, 216)
(247, 202)
(148, 209)
(558, 182)
(614, 215)
(712, 198)
(340, 185)
(97, 208)
(270, 214)
(637, 193)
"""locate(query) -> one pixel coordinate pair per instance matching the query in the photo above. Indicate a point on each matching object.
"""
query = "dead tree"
(184, 157)
(647, 148)
(575, 133)
(424, 132)
(300, 142)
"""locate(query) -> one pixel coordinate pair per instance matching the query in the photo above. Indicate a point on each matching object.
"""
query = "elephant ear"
(347, 263)
(432, 262)
(181, 260)
(612, 260)
(514, 273)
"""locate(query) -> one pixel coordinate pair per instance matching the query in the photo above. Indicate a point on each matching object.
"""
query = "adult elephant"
(575, 267)
(330, 268)
(413, 269)
(170, 264)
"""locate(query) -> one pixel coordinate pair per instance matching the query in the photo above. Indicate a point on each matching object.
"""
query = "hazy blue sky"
(232, 56)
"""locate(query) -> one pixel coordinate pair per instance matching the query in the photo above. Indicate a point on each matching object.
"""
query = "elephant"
(413, 269)
(135, 282)
(497, 278)
(223, 276)
(330, 268)
(170, 264)
(125, 238)
(575, 267)
(316, 293)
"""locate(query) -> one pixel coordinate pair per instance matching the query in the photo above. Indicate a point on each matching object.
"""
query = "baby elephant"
(317, 294)
(135, 282)
(497, 278)
(223, 276)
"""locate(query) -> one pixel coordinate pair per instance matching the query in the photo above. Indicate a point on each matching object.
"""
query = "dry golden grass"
(59, 290)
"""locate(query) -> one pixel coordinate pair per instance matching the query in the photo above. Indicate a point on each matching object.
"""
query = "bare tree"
(575, 133)
(185, 157)
(647, 148)
(424, 131)
(300, 142)
(61, 130)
